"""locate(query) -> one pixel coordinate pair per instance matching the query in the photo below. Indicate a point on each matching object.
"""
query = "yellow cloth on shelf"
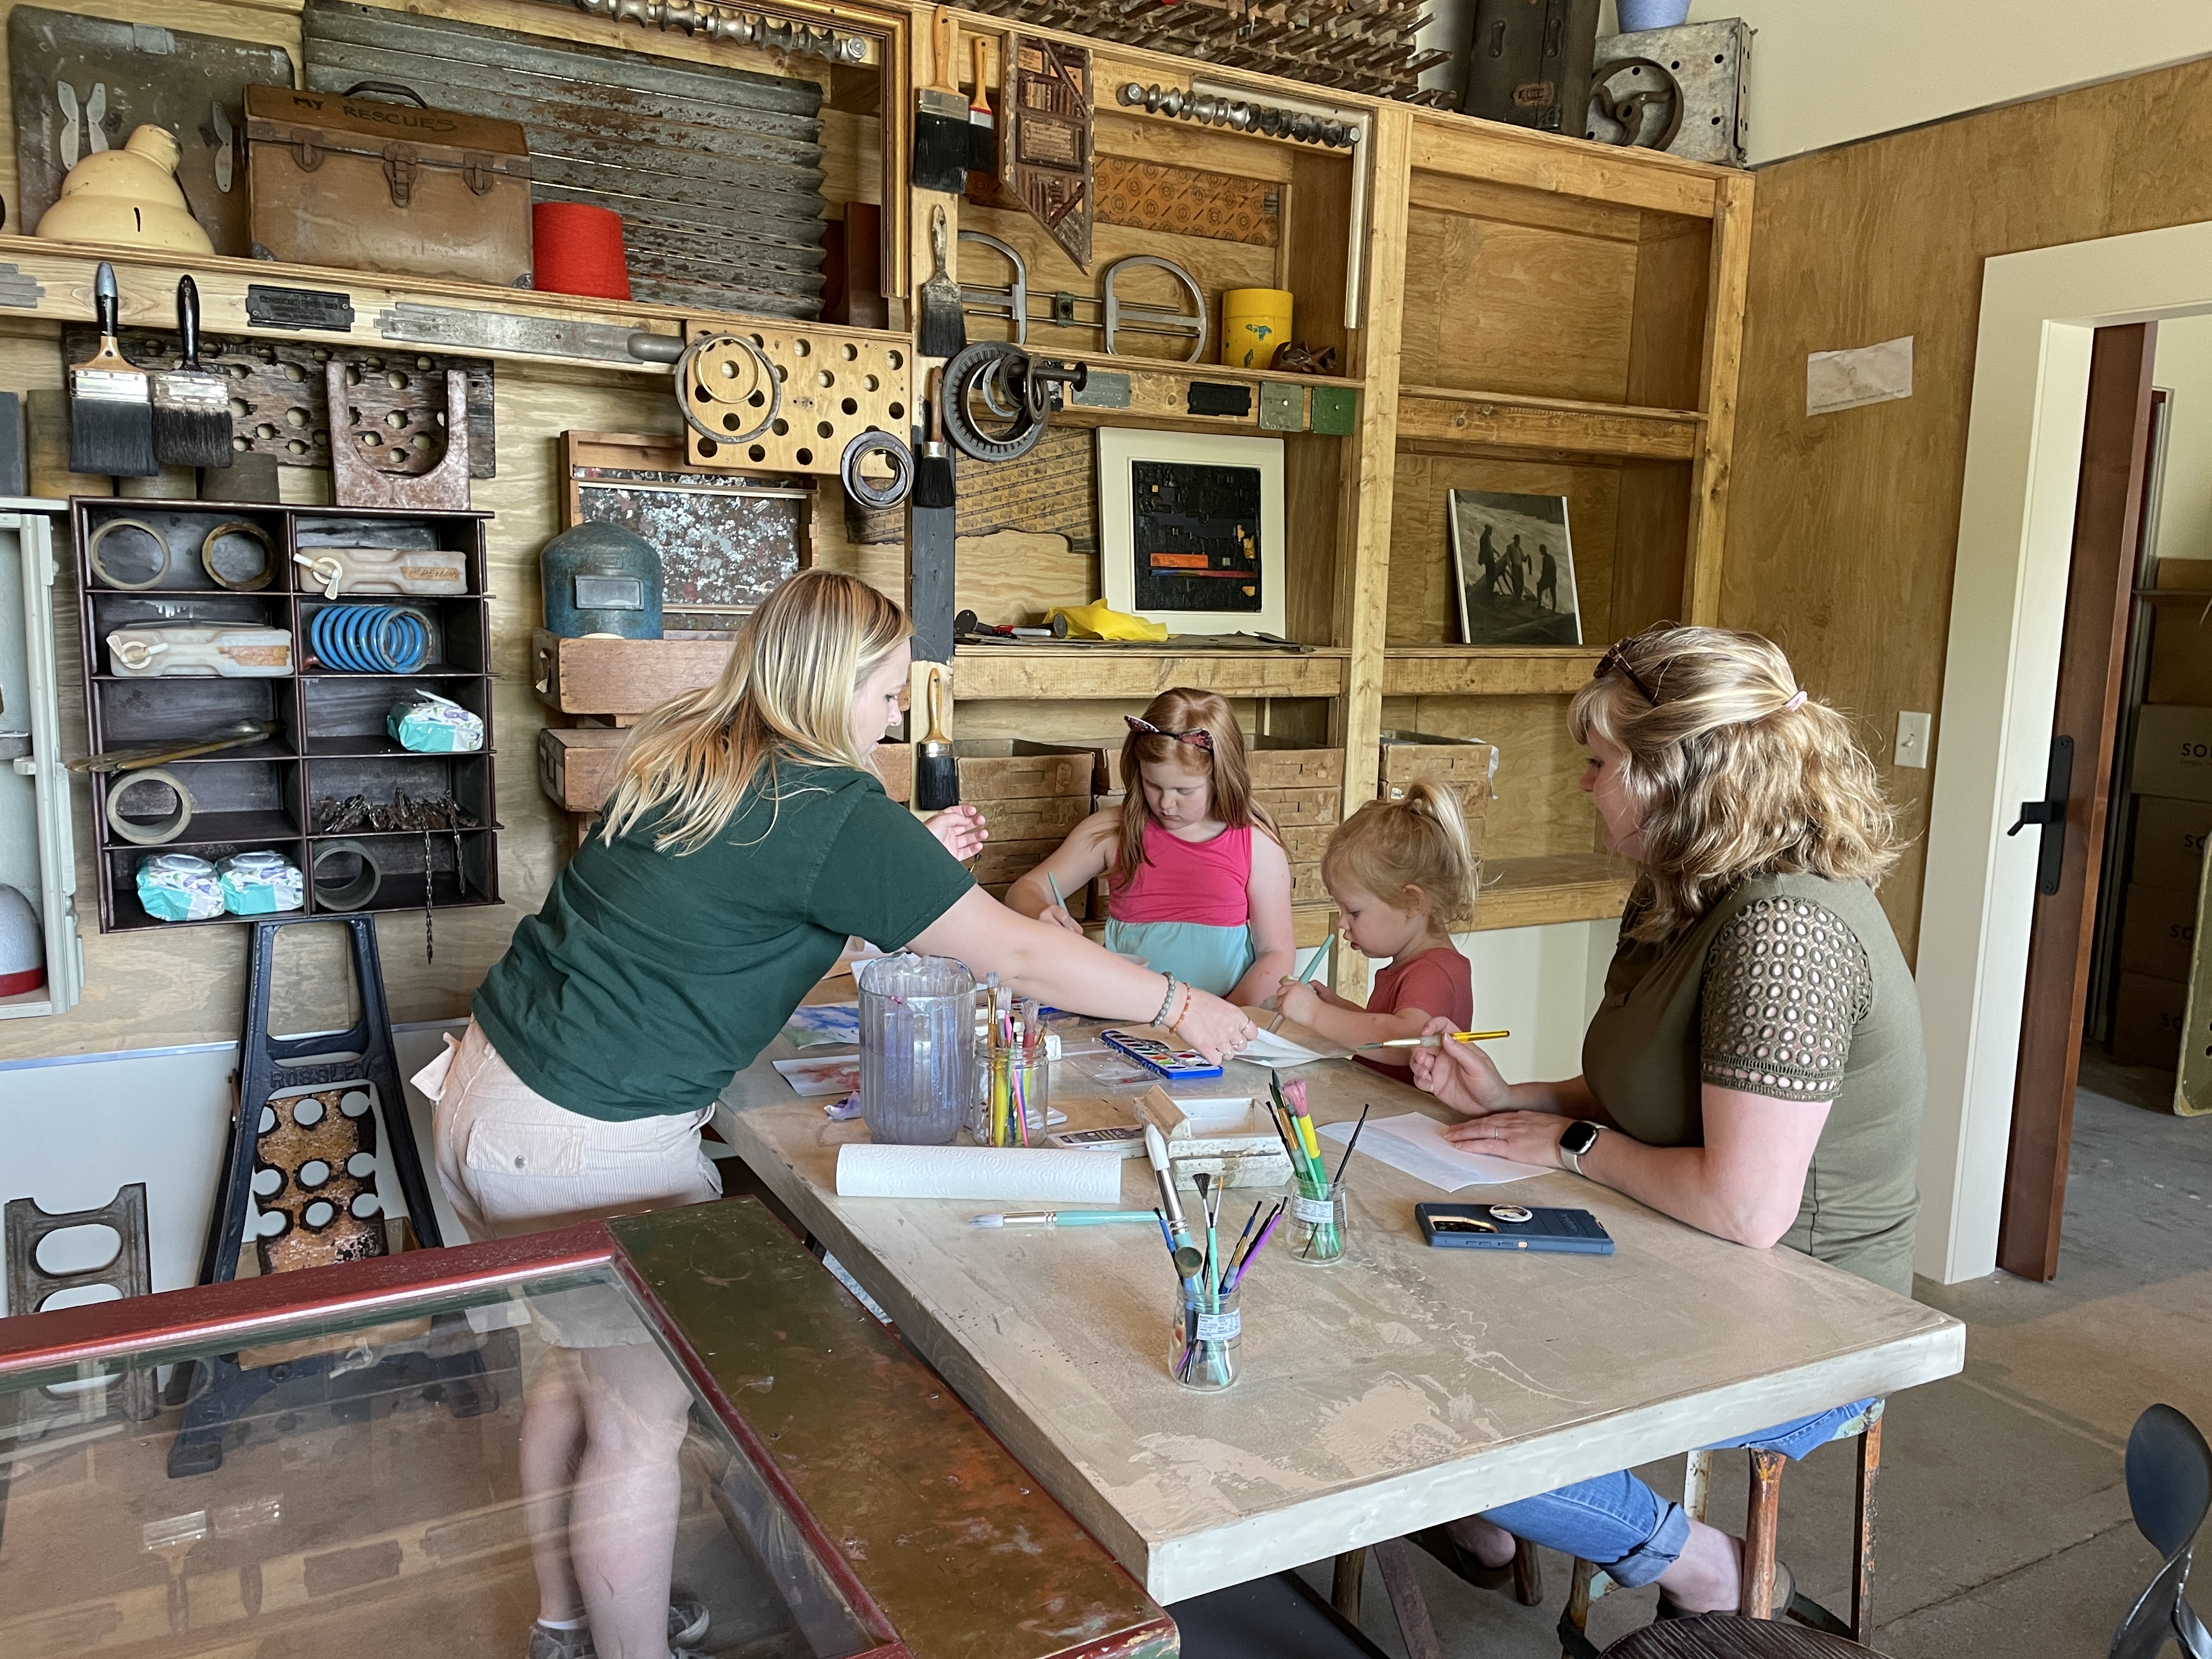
(1099, 621)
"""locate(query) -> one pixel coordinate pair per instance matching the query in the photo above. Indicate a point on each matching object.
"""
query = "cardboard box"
(2196, 575)
(2158, 936)
(2173, 752)
(2148, 1021)
(2180, 653)
(2169, 844)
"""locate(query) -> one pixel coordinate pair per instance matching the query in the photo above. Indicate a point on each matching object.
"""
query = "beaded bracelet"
(1181, 1012)
(1160, 1015)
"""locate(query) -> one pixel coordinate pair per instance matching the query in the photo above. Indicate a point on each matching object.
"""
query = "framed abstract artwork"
(1191, 530)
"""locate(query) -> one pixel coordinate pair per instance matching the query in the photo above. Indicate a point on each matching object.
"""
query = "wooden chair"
(1763, 1519)
(1394, 1556)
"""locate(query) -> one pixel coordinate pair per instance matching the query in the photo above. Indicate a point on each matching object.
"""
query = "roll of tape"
(159, 834)
(345, 895)
(251, 531)
(100, 539)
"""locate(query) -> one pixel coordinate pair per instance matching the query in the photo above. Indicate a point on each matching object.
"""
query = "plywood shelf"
(1441, 420)
(1475, 670)
(1059, 672)
(1535, 892)
(1160, 394)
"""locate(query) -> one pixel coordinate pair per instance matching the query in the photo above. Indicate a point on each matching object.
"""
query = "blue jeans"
(1625, 1527)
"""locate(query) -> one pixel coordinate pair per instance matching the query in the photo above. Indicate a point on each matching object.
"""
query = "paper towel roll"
(1019, 1174)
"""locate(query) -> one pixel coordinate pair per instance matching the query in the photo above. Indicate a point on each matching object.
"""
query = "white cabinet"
(37, 854)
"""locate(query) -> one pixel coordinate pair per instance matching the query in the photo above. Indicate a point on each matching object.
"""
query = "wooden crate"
(619, 679)
(1462, 763)
(1014, 769)
(1271, 770)
(576, 766)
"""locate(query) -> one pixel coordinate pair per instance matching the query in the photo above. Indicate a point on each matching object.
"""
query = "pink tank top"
(1201, 881)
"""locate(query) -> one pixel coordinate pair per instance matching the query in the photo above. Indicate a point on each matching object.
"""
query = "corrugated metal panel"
(717, 172)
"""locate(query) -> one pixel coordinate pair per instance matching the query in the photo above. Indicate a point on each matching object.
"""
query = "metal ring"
(686, 379)
(970, 369)
(92, 552)
(347, 895)
(159, 834)
(863, 490)
(253, 532)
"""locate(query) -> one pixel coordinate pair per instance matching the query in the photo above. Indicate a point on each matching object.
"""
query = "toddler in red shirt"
(1402, 875)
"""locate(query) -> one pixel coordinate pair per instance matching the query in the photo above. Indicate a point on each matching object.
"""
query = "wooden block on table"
(2159, 934)
(620, 677)
(2169, 840)
(2148, 1021)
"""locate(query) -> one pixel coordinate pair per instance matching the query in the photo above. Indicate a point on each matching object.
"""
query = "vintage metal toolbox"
(365, 183)
(1528, 63)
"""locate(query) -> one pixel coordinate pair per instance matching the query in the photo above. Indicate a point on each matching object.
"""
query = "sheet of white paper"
(831, 1074)
(1415, 1144)
(1866, 375)
(1268, 1048)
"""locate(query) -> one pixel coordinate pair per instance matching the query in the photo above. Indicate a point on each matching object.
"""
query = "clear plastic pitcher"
(917, 1048)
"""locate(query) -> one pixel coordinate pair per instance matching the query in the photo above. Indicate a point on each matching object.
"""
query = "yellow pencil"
(1438, 1040)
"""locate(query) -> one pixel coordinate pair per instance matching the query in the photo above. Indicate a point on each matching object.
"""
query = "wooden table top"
(1400, 1388)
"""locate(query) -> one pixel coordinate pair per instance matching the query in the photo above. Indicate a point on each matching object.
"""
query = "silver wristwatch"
(1579, 1139)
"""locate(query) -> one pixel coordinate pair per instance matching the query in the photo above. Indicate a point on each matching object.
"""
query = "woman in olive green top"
(746, 837)
(1755, 1068)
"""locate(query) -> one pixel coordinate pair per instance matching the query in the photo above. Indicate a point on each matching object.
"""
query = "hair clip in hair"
(1795, 703)
(1203, 739)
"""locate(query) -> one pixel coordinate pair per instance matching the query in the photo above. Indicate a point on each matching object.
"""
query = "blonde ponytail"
(787, 690)
(1420, 842)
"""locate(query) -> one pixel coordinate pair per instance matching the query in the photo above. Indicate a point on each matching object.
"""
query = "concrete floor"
(2005, 1529)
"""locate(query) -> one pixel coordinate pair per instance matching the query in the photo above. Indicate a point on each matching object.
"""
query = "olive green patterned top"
(1792, 986)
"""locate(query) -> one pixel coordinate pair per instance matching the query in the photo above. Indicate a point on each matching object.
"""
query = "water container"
(601, 579)
(152, 651)
(917, 1048)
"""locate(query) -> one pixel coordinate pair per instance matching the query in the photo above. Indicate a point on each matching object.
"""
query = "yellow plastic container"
(1255, 321)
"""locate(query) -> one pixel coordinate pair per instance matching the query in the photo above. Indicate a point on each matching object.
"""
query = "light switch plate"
(1914, 731)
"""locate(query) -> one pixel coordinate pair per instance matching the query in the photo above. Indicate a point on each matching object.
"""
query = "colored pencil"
(1313, 961)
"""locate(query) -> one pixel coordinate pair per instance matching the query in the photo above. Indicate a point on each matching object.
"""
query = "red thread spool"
(577, 249)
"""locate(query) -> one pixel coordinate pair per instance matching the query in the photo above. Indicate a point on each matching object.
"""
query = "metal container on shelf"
(917, 1048)
(601, 579)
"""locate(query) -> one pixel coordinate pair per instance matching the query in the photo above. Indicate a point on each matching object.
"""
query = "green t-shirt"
(650, 979)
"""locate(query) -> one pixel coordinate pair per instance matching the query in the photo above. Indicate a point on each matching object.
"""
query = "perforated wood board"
(836, 384)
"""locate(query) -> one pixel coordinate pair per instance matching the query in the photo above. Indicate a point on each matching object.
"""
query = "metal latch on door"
(2049, 813)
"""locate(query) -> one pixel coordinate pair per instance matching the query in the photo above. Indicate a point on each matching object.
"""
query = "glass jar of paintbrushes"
(1014, 1072)
(1316, 1203)
(1207, 1335)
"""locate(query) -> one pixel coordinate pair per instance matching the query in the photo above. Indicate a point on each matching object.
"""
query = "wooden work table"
(1400, 1388)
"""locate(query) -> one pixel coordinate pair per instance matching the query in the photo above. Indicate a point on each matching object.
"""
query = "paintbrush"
(941, 331)
(1438, 1040)
(1313, 961)
(1059, 1218)
(1353, 1142)
(110, 403)
(935, 483)
(191, 404)
(983, 125)
(1187, 1260)
(940, 122)
(936, 767)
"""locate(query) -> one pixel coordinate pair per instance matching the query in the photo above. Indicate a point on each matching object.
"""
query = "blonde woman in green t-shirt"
(1755, 1067)
(746, 837)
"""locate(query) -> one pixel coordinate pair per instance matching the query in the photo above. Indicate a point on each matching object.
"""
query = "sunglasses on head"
(1618, 659)
(1203, 739)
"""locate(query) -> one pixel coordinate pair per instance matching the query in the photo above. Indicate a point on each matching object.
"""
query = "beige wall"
(2184, 367)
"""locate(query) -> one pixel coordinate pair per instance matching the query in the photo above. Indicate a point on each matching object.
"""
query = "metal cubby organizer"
(330, 740)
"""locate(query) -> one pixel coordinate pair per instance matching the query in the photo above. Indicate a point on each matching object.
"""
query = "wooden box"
(1031, 795)
(619, 678)
(576, 766)
(362, 184)
(1463, 762)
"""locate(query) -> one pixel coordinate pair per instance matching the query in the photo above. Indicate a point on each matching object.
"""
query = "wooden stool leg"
(1528, 1574)
(1396, 1558)
(1579, 1600)
(1344, 1587)
(1863, 1573)
(1761, 1522)
(1697, 1484)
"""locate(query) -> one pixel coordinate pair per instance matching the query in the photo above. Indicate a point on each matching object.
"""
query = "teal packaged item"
(178, 887)
(260, 883)
(423, 723)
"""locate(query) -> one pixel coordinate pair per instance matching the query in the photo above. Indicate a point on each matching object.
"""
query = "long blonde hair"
(1181, 709)
(786, 691)
(1420, 842)
(1734, 771)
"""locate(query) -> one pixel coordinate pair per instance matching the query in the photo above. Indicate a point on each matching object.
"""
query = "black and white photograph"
(1514, 569)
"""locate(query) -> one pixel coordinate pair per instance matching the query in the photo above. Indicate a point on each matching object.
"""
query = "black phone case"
(1575, 1231)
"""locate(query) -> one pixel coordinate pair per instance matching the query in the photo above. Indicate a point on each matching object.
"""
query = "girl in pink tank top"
(1198, 883)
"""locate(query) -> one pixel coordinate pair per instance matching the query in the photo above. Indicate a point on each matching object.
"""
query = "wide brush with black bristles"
(940, 117)
(191, 404)
(110, 403)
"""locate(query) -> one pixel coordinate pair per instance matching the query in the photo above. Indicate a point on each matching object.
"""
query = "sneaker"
(686, 1623)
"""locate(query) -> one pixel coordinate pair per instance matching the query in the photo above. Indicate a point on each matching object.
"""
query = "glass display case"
(376, 1480)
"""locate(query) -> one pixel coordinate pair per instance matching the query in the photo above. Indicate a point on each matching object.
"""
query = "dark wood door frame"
(2092, 652)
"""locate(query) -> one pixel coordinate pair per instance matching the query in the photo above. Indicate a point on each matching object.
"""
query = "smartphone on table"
(1512, 1227)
